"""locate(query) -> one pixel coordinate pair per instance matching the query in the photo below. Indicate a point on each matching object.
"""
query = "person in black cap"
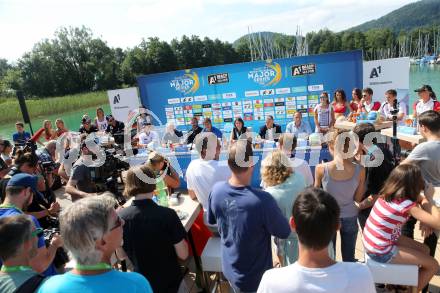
(87, 126)
(428, 100)
(114, 126)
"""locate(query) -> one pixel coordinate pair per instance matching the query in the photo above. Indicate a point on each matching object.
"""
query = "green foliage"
(10, 110)
(417, 14)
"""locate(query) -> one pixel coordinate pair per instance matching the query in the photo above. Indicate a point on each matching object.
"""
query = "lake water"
(428, 74)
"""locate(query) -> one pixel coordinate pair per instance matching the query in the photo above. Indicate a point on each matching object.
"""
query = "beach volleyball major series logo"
(187, 84)
(269, 74)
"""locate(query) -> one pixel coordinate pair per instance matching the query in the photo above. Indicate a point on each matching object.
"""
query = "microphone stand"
(394, 139)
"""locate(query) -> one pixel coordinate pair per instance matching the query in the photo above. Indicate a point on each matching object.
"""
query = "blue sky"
(123, 23)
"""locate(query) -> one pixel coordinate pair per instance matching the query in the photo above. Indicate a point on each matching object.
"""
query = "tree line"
(76, 61)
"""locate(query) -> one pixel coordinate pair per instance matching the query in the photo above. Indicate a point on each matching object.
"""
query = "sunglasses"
(364, 95)
(38, 232)
(118, 223)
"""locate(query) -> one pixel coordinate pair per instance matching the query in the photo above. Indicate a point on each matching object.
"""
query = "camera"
(61, 256)
(49, 166)
(106, 176)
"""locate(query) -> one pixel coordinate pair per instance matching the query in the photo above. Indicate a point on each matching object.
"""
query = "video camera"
(106, 176)
(49, 166)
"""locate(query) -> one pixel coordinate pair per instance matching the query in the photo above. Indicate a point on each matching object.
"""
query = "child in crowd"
(399, 198)
(315, 219)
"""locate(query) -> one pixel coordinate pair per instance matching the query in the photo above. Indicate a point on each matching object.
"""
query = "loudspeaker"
(23, 107)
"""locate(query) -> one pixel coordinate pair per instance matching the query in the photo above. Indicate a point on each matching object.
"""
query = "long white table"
(417, 138)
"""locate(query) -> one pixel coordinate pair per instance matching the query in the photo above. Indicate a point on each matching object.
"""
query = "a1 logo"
(375, 72)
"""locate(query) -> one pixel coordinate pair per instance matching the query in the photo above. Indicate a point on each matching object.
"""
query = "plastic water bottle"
(161, 193)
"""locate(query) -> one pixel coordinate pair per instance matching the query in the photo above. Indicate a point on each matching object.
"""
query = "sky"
(123, 23)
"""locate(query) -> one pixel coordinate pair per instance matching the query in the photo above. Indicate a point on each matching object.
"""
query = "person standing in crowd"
(287, 144)
(114, 126)
(209, 128)
(284, 185)
(239, 130)
(203, 173)
(92, 231)
(427, 156)
(388, 106)
(143, 119)
(355, 103)
(148, 136)
(86, 125)
(298, 127)
(6, 152)
(340, 105)
(46, 131)
(195, 129)
(246, 217)
(154, 237)
(315, 219)
(427, 101)
(172, 134)
(375, 175)
(270, 131)
(81, 183)
(19, 194)
(18, 245)
(163, 170)
(201, 176)
(343, 179)
(367, 104)
(100, 120)
(48, 155)
(324, 114)
(61, 128)
(21, 136)
(400, 198)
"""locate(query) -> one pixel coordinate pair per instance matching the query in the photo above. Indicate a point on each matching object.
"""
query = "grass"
(10, 109)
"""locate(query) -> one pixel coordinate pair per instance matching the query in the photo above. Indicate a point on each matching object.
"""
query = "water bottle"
(161, 193)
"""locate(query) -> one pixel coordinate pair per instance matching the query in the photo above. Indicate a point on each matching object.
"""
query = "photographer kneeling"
(80, 183)
(42, 206)
(48, 163)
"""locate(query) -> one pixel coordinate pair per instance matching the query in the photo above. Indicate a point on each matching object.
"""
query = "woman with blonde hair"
(48, 132)
(100, 121)
(61, 128)
(284, 185)
(162, 169)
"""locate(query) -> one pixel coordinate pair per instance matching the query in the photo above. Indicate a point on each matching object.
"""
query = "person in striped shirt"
(400, 198)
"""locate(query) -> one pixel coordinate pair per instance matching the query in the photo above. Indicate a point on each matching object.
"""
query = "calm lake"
(428, 74)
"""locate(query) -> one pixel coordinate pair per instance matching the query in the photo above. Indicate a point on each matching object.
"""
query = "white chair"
(212, 261)
(394, 274)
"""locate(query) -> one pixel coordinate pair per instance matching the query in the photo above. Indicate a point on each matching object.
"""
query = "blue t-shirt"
(5, 212)
(215, 130)
(21, 138)
(246, 218)
(112, 281)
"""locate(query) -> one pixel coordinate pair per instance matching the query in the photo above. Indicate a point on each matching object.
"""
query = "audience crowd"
(276, 237)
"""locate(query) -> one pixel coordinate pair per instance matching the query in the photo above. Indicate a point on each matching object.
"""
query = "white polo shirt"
(386, 108)
(423, 107)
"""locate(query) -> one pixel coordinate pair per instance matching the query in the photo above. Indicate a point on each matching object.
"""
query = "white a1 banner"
(385, 74)
(122, 102)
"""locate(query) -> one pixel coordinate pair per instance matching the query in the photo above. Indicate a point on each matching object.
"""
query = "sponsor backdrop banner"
(123, 102)
(251, 90)
(385, 74)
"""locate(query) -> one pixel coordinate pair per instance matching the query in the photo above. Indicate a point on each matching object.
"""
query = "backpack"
(31, 284)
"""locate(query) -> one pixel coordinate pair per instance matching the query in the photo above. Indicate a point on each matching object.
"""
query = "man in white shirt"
(203, 173)
(148, 136)
(298, 126)
(387, 106)
(315, 219)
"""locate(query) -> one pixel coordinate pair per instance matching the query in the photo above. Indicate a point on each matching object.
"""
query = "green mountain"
(257, 35)
(408, 17)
